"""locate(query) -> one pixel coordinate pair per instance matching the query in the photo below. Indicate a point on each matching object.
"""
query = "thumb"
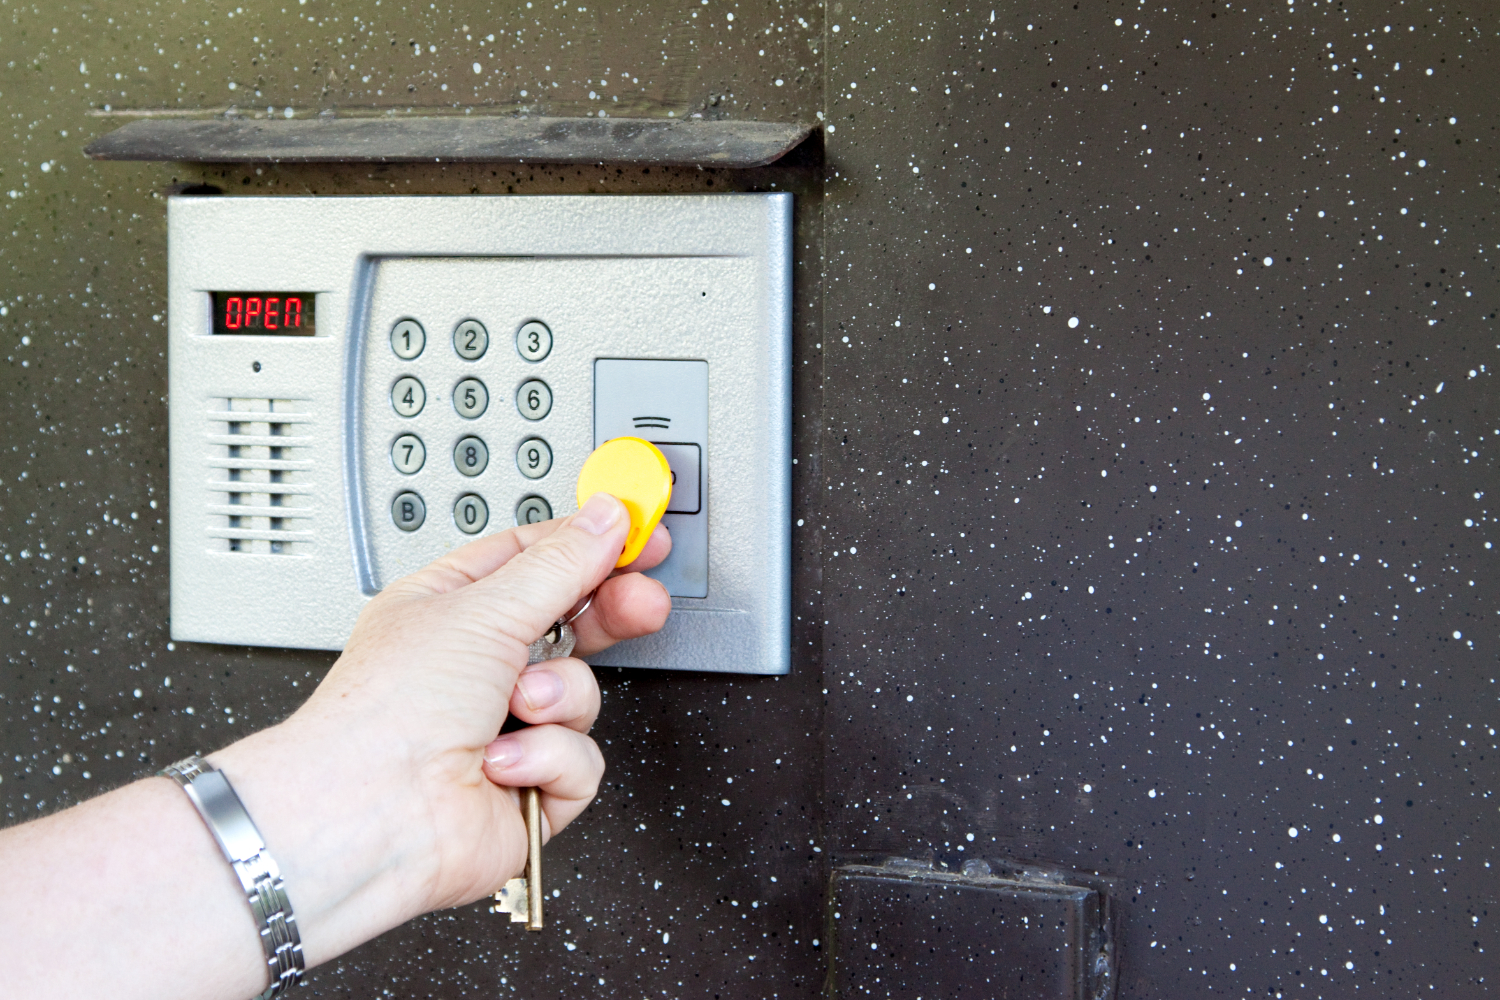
(529, 593)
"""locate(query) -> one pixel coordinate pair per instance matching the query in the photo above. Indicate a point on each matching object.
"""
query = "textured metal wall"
(1158, 465)
(1271, 614)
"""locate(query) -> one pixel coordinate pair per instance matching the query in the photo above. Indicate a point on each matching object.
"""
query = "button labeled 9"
(534, 399)
(534, 340)
(534, 458)
(470, 398)
(470, 456)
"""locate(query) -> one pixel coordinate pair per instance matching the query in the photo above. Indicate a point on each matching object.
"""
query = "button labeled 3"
(534, 340)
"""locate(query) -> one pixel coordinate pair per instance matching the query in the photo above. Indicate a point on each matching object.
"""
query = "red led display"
(265, 313)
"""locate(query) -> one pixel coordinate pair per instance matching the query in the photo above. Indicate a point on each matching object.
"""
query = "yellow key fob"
(635, 472)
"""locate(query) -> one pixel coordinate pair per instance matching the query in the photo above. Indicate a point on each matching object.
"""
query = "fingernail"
(540, 689)
(503, 752)
(600, 514)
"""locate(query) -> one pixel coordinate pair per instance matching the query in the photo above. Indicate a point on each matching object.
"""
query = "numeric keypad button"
(408, 511)
(534, 399)
(407, 339)
(534, 340)
(408, 454)
(532, 510)
(471, 514)
(534, 458)
(470, 456)
(408, 396)
(471, 398)
(471, 340)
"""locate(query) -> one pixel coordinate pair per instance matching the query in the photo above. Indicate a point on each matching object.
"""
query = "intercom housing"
(359, 385)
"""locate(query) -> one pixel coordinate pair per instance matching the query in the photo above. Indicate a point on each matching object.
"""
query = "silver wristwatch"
(242, 844)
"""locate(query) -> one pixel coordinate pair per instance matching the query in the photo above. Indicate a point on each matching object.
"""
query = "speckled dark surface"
(1272, 613)
(1145, 593)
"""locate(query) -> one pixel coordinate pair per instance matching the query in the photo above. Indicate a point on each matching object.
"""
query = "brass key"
(522, 897)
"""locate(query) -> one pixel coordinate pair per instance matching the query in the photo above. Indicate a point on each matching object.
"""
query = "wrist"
(351, 848)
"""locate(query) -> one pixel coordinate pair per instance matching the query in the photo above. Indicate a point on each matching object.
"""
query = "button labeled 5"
(470, 398)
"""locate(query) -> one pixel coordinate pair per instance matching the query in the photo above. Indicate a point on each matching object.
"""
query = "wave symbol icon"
(660, 423)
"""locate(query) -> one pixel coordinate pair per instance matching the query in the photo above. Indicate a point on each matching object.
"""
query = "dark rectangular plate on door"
(905, 930)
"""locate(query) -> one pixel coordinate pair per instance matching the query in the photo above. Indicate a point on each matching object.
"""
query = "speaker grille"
(260, 499)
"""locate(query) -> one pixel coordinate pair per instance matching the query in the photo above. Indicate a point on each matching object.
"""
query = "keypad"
(408, 396)
(534, 399)
(407, 339)
(471, 340)
(471, 399)
(408, 454)
(470, 456)
(470, 395)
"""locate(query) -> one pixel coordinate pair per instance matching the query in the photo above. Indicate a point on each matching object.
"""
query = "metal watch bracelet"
(243, 846)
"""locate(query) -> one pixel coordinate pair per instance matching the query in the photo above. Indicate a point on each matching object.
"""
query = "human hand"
(412, 796)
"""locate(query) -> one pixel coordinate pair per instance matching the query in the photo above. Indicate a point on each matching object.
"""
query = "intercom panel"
(358, 385)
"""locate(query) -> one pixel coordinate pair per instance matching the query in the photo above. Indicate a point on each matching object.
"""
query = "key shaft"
(531, 805)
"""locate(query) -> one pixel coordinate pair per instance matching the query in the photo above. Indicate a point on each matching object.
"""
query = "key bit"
(513, 900)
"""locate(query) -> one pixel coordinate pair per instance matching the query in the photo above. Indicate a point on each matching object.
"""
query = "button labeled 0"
(471, 514)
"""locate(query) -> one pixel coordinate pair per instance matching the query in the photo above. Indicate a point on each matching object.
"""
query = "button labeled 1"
(407, 339)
